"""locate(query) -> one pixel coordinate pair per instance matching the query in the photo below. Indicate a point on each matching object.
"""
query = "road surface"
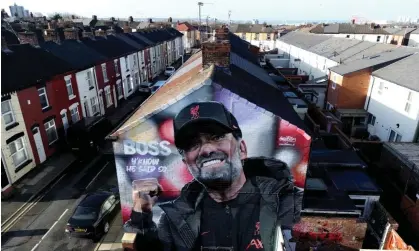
(42, 227)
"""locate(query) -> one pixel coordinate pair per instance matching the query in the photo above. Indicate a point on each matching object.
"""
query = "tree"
(56, 16)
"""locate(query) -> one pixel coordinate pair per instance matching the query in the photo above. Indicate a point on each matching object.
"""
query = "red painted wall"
(112, 78)
(58, 100)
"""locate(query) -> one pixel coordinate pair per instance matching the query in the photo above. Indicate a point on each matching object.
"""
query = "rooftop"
(404, 72)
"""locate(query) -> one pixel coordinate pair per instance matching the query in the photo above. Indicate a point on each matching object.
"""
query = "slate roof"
(141, 37)
(303, 40)
(333, 46)
(347, 28)
(19, 73)
(336, 157)
(403, 31)
(368, 62)
(123, 37)
(75, 53)
(404, 72)
(241, 47)
(9, 37)
(110, 46)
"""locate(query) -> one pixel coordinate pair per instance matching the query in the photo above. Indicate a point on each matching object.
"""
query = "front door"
(65, 121)
(39, 145)
(102, 107)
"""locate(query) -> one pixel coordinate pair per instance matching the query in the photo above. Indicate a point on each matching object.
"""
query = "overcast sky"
(241, 9)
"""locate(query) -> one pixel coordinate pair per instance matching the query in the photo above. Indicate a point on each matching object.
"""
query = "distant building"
(18, 11)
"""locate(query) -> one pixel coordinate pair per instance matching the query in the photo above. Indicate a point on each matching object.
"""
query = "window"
(18, 151)
(69, 86)
(257, 36)
(51, 131)
(348, 36)
(268, 36)
(7, 113)
(129, 83)
(137, 78)
(380, 88)
(89, 79)
(408, 102)
(126, 64)
(135, 60)
(42, 92)
(371, 119)
(378, 38)
(116, 67)
(243, 35)
(105, 74)
(108, 96)
(75, 114)
(95, 105)
(119, 89)
(333, 85)
(394, 136)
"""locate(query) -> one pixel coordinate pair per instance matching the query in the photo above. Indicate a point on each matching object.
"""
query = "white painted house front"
(414, 38)
(393, 108)
(127, 76)
(16, 152)
(87, 85)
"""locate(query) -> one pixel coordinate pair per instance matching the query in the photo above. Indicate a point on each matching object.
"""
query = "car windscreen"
(85, 213)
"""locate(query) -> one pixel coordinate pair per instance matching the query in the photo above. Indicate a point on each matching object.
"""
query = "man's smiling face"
(214, 159)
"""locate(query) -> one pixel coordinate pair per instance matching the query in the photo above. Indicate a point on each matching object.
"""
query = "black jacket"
(178, 227)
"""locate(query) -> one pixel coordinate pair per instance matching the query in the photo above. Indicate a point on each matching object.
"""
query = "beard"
(219, 178)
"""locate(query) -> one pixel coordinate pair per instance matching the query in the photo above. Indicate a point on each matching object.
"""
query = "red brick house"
(48, 100)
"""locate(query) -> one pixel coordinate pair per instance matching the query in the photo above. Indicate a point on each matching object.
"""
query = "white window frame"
(74, 111)
(49, 125)
(108, 96)
(409, 101)
(89, 79)
(95, 105)
(69, 87)
(119, 89)
(380, 88)
(396, 134)
(43, 94)
(135, 60)
(10, 112)
(104, 73)
(23, 148)
(115, 64)
(126, 63)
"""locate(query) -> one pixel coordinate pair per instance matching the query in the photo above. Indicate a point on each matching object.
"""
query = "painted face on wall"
(214, 159)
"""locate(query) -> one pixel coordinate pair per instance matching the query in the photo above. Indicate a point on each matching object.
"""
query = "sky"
(263, 10)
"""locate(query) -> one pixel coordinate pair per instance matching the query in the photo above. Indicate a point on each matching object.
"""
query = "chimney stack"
(111, 31)
(88, 34)
(28, 37)
(353, 21)
(126, 28)
(94, 17)
(130, 19)
(217, 52)
(51, 35)
(100, 33)
(71, 33)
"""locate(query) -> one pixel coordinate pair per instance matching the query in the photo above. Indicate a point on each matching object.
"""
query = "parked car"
(145, 87)
(157, 85)
(87, 135)
(169, 71)
(93, 214)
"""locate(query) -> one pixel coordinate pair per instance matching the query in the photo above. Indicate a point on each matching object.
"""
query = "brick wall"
(100, 32)
(51, 35)
(217, 53)
(28, 37)
(354, 90)
(88, 34)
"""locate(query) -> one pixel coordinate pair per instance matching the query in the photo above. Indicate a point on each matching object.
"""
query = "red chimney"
(217, 52)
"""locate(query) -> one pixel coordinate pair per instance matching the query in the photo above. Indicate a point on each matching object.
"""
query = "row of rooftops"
(350, 28)
(353, 55)
(50, 58)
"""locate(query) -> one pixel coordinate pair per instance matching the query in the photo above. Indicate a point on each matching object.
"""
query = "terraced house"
(72, 73)
(261, 35)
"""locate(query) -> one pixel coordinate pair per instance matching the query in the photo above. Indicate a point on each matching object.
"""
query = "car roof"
(95, 200)
(161, 82)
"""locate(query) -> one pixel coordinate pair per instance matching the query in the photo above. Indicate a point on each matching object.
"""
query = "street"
(42, 227)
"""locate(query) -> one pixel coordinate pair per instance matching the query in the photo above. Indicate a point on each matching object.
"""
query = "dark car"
(92, 216)
(87, 135)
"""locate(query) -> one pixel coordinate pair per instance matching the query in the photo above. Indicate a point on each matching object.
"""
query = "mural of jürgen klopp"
(233, 203)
